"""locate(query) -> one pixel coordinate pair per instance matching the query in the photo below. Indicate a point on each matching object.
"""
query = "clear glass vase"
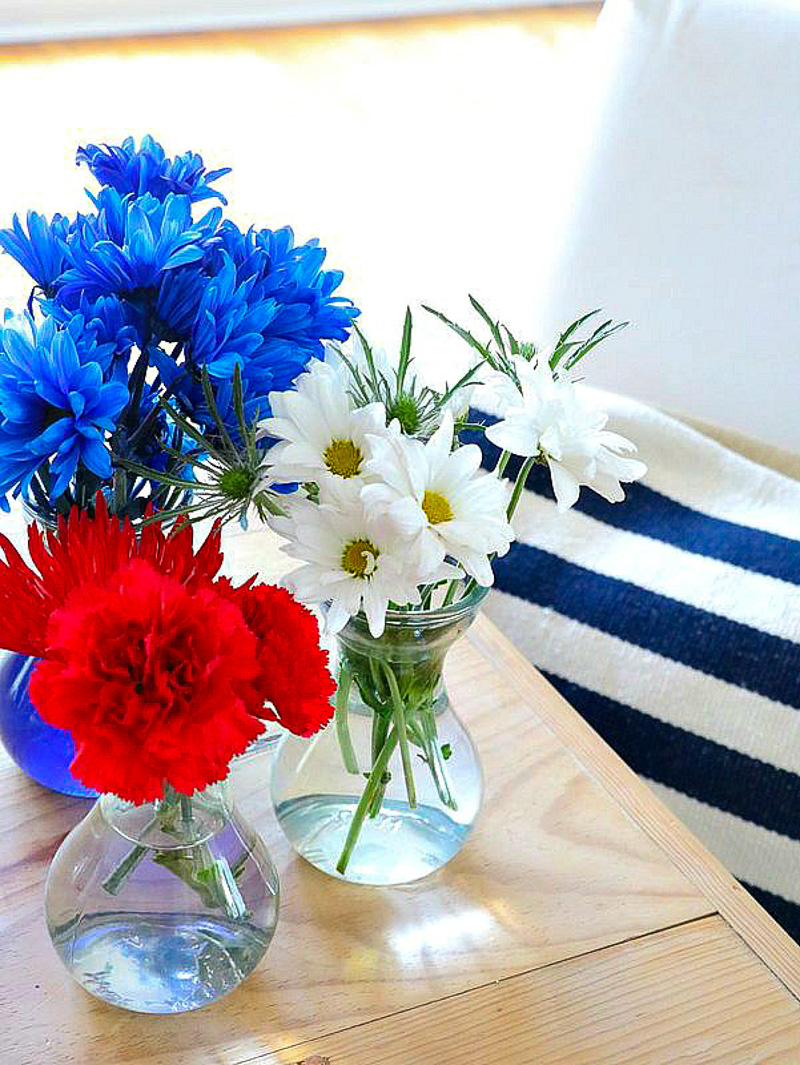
(162, 907)
(390, 790)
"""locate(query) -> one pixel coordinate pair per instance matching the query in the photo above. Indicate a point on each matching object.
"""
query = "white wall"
(55, 19)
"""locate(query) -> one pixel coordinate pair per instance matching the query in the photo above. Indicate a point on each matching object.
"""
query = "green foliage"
(416, 406)
(502, 347)
(226, 476)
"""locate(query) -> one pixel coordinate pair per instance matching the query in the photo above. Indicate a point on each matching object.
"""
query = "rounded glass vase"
(390, 790)
(162, 907)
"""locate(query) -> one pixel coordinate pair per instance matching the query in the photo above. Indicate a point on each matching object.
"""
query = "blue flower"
(129, 169)
(106, 322)
(40, 251)
(131, 243)
(292, 275)
(179, 295)
(260, 303)
(54, 404)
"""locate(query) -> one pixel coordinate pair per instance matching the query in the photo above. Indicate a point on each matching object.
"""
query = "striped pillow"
(671, 622)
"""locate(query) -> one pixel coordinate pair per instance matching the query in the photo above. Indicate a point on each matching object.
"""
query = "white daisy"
(496, 392)
(438, 500)
(353, 560)
(548, 418)
(322, 435)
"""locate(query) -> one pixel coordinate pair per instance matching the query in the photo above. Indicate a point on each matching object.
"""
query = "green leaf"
(211, 402)
(493, 326)
(465, 334)
(368, 355)
(602, 333)
(190, 431)
(405, 351)
(562, 345)
(460, 383)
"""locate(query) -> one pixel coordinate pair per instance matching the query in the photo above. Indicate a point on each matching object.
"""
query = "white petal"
(515, 434)
(565, 486)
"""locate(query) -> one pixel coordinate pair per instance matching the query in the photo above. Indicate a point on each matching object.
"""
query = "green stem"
(210, 877)
(114, 883)
(435, 760)
(451, 591)
(342, 726)
(502, 462)
(400, 726)
(519, 485)
(380, 729)
(365, 801)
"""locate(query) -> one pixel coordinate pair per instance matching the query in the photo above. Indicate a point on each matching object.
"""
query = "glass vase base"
(152, 963)
(397, 846)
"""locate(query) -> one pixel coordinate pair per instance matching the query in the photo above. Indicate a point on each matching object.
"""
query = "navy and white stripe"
(672, 623)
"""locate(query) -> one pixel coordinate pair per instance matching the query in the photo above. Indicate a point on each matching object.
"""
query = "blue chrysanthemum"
(40, 251)
(107, 322)
(129, 169)
(54, 404)
(261, 303)
(292, 275)
(131, 243)
(138, 285)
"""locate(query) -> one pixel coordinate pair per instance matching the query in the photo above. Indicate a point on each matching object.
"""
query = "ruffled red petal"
(160, 669)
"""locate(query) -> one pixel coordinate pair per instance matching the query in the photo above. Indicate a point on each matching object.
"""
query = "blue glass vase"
(41, 751)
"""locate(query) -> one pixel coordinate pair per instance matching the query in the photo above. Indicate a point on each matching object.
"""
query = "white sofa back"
(684, 216)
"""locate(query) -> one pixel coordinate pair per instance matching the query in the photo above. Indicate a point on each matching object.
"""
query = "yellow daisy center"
(359, 558)
(343, 458)
(437, 508)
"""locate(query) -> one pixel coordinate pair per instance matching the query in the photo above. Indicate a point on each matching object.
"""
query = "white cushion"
(685, 214)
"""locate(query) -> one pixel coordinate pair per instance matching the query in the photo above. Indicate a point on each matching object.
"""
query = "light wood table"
(582, 923)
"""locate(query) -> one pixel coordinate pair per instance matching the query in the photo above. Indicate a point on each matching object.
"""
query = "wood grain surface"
(690, 994)
(554, 869)
(740, 909)
(571, 856)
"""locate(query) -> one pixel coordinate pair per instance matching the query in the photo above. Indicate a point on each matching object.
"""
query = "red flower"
(144, 674)
(159, 671)
(87, 550)
(293, 670)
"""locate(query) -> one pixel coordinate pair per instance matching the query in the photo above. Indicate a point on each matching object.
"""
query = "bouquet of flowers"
(163, 898)
(394, 517)
(161, 670)
(373, 480)
(143, 300)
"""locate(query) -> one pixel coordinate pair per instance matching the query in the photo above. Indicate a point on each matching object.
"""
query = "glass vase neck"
(175, 821)
(413, 633)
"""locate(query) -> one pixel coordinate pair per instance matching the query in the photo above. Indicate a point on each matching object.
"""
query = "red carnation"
(144, 674)
(88, 550)
(293, 672)
(159, 671)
